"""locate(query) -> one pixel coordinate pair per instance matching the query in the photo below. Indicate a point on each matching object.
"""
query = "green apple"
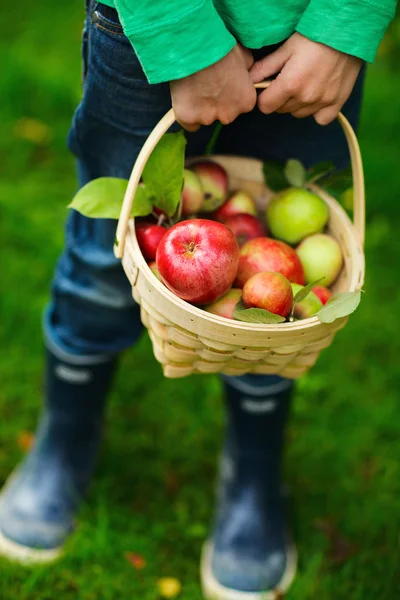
(295, 213)
(321, 257)
(307, 307)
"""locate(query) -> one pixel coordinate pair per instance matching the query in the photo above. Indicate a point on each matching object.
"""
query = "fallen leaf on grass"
(33, 130)
(340, 549)
(137, 561)
(169, 587)
(25, 440)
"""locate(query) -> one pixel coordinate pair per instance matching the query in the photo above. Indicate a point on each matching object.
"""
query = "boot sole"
(25, 555)
(213, 590)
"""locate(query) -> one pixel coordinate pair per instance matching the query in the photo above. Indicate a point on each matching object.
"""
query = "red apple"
(238, 203)
(322, 293)
(192, 193)
(149, 236)
(266, 254)
(245, 227)
(225, 306)
(198, 259)
(270, 291)
(153, 267)
(214, 181)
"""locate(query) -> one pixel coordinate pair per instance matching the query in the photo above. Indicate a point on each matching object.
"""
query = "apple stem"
(161, 219)
(191, 246)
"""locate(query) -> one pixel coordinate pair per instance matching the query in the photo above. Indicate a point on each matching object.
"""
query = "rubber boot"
(249, 555)
(40, 500)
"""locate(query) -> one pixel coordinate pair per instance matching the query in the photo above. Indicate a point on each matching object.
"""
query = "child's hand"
(220, 92)
(313, 79)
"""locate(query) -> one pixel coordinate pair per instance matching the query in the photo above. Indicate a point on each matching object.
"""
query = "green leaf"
(295, 172)
(163, 173)
(338, 182)
(340, 305)
(320, 170)
(255, 315)
(274, 175)
(303, 293)
(102, 199)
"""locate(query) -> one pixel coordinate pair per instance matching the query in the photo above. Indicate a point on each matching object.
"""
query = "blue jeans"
(92, 315)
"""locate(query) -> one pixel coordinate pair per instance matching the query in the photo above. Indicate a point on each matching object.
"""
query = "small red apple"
(225, 306)
(192, 193)
(238, 203)
(270, 291)
(214, 181)
(149, 236)
(322, 293)
(245, 227)
(266, 254)
(198, 259)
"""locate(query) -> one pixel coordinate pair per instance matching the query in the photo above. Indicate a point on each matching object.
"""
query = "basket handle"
(169, 119)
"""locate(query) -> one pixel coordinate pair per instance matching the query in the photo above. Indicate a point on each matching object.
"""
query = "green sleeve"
(352, 26)
(174, 38)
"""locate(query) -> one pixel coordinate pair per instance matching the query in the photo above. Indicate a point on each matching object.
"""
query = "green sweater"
(175, 38)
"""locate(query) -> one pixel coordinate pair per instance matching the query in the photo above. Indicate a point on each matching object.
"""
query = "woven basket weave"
(189, 340)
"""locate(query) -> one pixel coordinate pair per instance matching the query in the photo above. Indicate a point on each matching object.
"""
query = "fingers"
(274, 97)
(270, 65)
(247, 57)
(326, 115)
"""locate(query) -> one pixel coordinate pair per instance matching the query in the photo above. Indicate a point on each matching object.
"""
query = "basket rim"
(240, 326)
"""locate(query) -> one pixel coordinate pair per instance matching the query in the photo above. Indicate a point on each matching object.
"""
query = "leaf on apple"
(102, 199)
(295, 172)
(303, 293)
(320, 170)
(338, 182)
(340, 305)
(274, 175)
(163, 173)
(255, 315)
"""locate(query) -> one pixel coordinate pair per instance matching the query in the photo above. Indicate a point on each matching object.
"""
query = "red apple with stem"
(149, 236)
(270, 291)
(238, 203)
(214, 181)
(265, 254)
(225, 306)
(323, 293)
(245, 227)
(197, 260)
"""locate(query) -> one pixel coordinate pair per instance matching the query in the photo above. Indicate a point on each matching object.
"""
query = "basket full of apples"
(234, 273)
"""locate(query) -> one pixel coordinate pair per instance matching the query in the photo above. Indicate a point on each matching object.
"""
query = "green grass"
(153, 491)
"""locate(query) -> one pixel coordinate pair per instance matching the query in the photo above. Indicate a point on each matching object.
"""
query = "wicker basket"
(189, 340)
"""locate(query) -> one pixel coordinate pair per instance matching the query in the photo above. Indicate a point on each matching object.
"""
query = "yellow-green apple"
(225, 306)
(238, 203)
(270, 291)
(149, 236)
(192, 193)
(307, 307)
(153, 267)
(295, 213)
(266, 254)
(214, 181)
(323, 293)
(321, 257)
(198, 259)
(245, 227)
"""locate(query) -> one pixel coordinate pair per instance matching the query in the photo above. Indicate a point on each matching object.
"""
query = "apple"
(307, 307)
(225, 306)
(214, 181)
(153, 267)
(266, 254)
(245, 227)
(198, 259)
(149, 236)
(295, 213)
(270, 291)
(322, 293)
(192, 193)
(238, 203)
(321, 257)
